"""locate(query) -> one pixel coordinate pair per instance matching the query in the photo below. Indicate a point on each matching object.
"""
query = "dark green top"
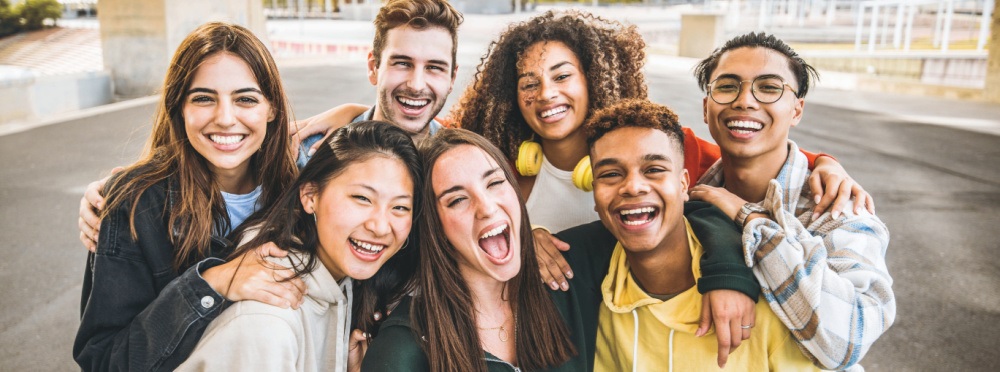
(396, 348)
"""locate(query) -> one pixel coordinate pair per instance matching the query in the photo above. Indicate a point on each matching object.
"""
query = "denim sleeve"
(304, 149)
(131, 318)
(722, 264)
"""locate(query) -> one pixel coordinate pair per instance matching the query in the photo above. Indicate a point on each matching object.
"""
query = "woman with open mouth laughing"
(476, 309)
(348, 215)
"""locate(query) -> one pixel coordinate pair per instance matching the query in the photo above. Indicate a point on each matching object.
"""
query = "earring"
(529, 163)
(405, 243)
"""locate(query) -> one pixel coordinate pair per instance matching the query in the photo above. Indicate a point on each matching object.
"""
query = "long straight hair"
(442, 312)
(199, 208)
(289, 227)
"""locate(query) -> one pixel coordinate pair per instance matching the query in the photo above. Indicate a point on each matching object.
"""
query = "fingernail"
(565, 286)
(554, 285)
(311, 152)
(836, 214)
(816, 198)
(569, 274)
(815, 216)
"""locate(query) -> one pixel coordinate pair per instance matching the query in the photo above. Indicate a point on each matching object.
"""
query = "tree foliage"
(27, 16)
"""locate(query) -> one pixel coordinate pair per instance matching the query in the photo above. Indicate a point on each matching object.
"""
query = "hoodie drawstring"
(635, 345)
(635, 340)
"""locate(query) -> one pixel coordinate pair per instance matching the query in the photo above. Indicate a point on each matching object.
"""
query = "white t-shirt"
(555, 203)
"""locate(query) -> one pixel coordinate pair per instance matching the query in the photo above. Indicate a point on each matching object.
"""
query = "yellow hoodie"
(664, 330)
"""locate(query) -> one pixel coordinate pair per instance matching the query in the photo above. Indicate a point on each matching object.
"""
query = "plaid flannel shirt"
(826, 279)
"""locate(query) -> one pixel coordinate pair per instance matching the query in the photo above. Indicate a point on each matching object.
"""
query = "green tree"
(34, 13)
(10, 22)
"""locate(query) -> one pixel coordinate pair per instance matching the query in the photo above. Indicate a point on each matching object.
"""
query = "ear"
(307, 195)
(454, 73)
(704, 109)
(373, 69)
(685, 182)
(800, 105)
(273, 113)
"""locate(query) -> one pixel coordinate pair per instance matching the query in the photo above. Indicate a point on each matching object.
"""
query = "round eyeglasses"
(765, 89)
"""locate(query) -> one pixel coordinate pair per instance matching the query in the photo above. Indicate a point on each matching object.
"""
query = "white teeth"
(371, 247)
(635, 223)
(745, 125)
(226, 139)
(496, 231)
(637, 211)
(554, 111)
(414, 102)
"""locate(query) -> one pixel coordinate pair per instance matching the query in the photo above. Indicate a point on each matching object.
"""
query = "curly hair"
(638, 113)
(612, 56)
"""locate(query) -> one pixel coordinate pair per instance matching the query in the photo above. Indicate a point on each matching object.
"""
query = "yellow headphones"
(529, 163)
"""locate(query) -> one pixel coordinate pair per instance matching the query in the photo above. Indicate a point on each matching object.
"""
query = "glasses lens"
(725, 90)
(768, 89)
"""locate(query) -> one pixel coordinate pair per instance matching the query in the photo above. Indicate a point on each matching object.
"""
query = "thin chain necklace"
(502, 329)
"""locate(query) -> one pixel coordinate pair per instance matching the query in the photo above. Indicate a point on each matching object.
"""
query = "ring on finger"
(746, 326)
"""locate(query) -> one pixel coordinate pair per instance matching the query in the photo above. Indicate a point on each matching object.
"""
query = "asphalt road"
(936, 187)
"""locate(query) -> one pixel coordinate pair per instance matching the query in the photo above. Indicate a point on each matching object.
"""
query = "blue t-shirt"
(240, 206)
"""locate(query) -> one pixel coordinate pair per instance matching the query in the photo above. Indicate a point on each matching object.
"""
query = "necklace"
(502, 329)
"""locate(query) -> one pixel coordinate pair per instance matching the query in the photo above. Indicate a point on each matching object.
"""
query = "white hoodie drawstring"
(635, 345)
(635, 340)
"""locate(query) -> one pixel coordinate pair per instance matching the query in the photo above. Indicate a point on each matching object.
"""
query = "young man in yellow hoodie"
(651, 305)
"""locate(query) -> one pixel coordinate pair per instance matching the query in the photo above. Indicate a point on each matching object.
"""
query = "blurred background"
(908, 101)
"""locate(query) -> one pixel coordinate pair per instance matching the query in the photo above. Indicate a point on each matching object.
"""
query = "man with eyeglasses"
(825, 277)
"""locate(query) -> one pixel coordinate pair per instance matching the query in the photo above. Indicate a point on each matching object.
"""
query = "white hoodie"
(253, 336)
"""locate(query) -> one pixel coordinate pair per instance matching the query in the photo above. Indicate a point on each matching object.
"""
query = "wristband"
(745, 211)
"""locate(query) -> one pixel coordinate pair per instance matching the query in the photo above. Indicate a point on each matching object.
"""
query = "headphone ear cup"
(529, 158)
(583, 175)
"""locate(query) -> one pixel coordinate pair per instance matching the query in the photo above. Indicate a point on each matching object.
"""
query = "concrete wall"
(993, 61)
(139, 37)
(701, 33)
(24, 96)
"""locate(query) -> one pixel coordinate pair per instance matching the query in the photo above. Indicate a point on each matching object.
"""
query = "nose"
(634, 185)
(745, 99)
(548, 91)
(378, 223)
(417, 80)
(486, 207)
(225, 114)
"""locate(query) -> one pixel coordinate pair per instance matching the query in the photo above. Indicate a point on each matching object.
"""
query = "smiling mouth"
(412, 104)
(638, 216)
(496, 242)
(226, 139)
(365, 248)
(744, 126)
(553, 111)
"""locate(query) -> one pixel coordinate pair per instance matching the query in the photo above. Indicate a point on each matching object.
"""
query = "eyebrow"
(459, 187)
(553, 68)
(737, 77)
(408, 58)
(645, 158)
(373, 191)
(213, 91)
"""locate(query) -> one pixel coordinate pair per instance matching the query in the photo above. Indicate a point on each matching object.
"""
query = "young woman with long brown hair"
(219, 150)
(475, 309)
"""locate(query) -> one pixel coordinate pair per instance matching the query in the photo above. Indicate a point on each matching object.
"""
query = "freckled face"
(552, 90)
(225, 114)
(363, 216)
(480, 213)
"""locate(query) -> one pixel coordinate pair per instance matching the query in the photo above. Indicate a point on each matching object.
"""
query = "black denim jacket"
(137, 312)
